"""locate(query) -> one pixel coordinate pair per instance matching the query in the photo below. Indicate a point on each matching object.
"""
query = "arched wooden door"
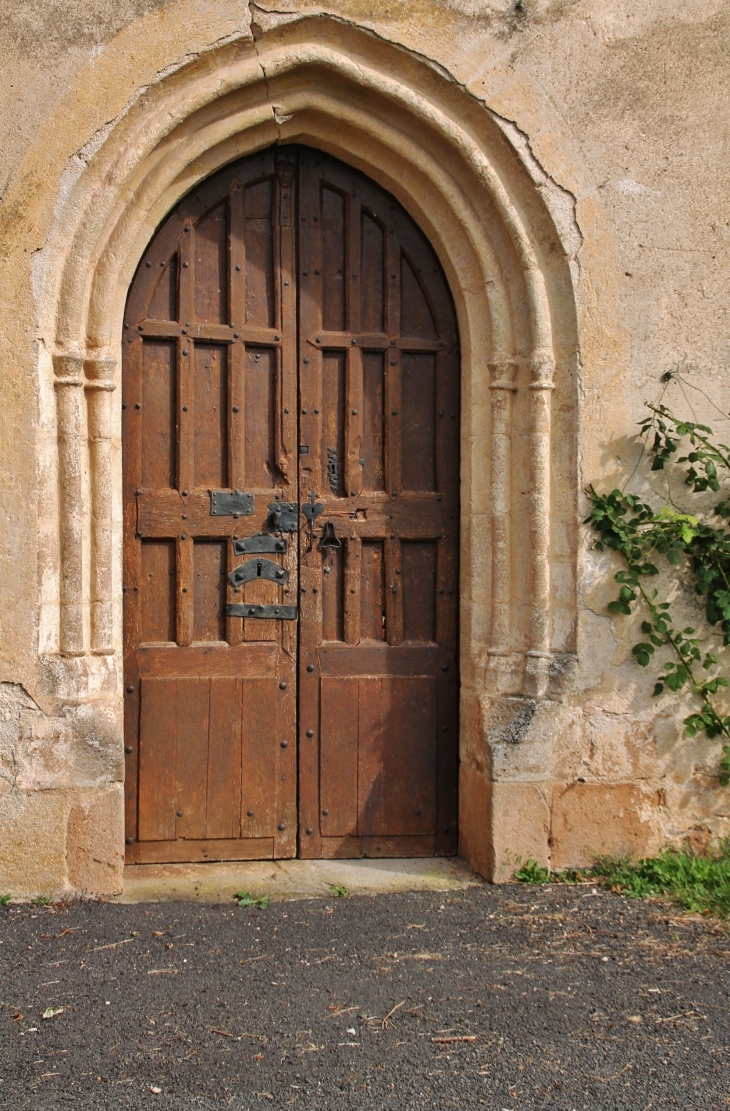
(291, 509)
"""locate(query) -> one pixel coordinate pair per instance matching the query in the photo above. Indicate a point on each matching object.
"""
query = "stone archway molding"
(445, 157)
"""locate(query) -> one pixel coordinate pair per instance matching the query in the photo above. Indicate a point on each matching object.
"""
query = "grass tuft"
(698, 882)
(534, 873)
(246, 899)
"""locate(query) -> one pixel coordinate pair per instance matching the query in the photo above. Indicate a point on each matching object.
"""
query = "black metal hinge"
(266, 613)
(260, 542)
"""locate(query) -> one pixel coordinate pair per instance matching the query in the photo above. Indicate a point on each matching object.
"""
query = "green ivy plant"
(696, 546)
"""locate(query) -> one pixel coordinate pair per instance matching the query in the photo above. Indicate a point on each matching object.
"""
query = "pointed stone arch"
(450, 163)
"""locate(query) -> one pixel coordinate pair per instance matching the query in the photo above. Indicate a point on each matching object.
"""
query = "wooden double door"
(291, 510)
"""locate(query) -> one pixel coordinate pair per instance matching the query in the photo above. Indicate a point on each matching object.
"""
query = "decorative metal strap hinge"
(260, 542)
(266, 613)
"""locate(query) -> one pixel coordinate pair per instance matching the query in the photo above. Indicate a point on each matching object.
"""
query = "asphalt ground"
(508, 998)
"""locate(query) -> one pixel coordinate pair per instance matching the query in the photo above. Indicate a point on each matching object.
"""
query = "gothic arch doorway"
(291, 524)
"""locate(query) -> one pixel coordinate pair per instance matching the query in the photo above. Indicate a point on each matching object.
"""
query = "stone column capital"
(542, 369)
(503, 374)
(100, 372)
(68, 369)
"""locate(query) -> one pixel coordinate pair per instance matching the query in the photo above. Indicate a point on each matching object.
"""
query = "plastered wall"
(607, 125)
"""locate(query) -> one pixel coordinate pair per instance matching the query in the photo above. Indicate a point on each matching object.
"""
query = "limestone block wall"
(568, 163)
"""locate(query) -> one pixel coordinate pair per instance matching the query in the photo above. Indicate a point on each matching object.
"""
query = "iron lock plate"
(260, 542)
(265, 613)
(258, 569)
(333, 470)
(284, 516)
(230, 503)
(312, 510)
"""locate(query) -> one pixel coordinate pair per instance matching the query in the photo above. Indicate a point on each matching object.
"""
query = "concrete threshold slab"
(291, 879)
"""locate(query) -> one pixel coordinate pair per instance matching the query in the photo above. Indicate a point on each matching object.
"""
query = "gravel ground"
(510, 998)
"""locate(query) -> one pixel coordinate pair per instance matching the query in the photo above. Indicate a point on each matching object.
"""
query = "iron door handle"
(330, 539)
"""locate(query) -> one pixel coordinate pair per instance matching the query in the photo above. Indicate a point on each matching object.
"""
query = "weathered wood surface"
(289, 332)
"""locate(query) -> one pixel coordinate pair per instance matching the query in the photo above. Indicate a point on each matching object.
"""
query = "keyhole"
(258, 568)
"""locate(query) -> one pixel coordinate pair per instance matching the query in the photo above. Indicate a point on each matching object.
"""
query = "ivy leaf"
(695, 549)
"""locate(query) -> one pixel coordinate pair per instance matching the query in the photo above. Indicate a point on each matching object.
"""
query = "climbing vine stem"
(696, 549)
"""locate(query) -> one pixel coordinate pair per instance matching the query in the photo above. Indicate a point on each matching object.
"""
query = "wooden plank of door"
(258, 757)
(393, 590)
(370, 785)
(311, 426)
(353, 421)
(338, 757)
(132, 477)
(205, 660)
(186, 852)
(376, 848)
(223, 786)
(193, 721)
(410, 722)
(376, 659)
(353, 584)
(157, 760)
(372, 591)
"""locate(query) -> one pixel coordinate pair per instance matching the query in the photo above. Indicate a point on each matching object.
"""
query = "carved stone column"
(70, 430)
(99, 388)
(503, 385)
(539, 655)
